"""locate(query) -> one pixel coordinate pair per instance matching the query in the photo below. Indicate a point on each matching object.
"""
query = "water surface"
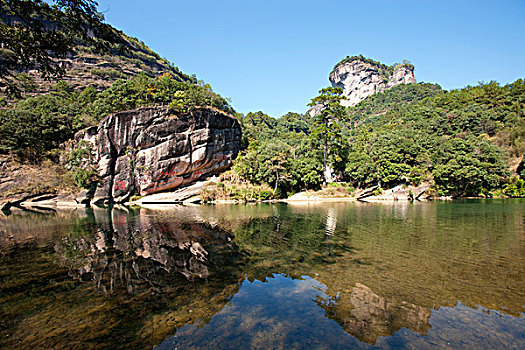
(353, 275)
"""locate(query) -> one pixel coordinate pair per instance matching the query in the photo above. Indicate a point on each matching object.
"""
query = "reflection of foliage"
(295, 243)
(75, 248)
(380, 246)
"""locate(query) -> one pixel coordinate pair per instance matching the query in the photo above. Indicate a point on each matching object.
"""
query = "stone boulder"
(150, 150)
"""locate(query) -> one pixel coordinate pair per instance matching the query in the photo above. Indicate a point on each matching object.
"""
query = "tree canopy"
(466, 142)
(326, 124)
(36, 34)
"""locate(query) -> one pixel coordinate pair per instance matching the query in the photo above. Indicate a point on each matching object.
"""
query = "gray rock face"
(315, 110)
(147, 150)
(360, 79)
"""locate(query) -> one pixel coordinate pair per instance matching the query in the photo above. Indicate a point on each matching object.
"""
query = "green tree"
(326, 124)
(33, 34)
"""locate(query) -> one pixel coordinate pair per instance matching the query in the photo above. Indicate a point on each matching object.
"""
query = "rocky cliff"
(149, 150)
(360, 77)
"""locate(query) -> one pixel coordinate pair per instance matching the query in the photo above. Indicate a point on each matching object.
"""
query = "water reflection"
(368, 316)
(104, 275)
(259, 276)
(133, 248)
(331, 222)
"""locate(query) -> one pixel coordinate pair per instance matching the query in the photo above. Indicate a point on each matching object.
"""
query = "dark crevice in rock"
(113, 161)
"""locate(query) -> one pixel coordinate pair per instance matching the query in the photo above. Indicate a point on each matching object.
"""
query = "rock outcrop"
(149, 150)
(360, 77)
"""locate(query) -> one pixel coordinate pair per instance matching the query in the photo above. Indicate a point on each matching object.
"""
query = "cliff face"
(360, 78)
(147, 150)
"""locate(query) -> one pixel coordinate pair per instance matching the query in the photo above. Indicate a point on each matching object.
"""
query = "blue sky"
(275, 55)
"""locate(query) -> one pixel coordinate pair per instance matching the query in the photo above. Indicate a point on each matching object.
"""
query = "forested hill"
(63, 69)
(466, 142)
(86, 57)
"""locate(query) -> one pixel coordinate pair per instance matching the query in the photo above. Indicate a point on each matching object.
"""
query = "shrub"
(265, 195)
(82, 166)
(515, 187)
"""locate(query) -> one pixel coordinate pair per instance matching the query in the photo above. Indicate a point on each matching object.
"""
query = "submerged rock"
(149, 150)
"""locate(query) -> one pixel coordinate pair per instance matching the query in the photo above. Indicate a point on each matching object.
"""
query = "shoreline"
(50, 205)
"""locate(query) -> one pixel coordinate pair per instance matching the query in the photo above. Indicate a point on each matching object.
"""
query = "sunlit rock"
(360, 79)
(150, 150)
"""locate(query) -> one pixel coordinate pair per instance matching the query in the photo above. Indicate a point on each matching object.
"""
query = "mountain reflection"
(368, 316)
(135, 251)
(255, 274)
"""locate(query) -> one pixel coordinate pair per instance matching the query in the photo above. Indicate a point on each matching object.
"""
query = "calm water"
(332, 276)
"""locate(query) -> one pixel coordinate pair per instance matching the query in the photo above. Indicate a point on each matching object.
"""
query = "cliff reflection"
(135, 251)
(368, 316)
(139, 266)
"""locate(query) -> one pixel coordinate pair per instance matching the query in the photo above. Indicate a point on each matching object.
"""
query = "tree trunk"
(276, 181)
(325, 150)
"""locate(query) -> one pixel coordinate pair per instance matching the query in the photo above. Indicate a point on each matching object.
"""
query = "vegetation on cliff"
(385, 70)
(34, 127)
(43, 41)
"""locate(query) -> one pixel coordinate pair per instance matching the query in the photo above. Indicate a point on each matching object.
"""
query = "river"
(437, 275)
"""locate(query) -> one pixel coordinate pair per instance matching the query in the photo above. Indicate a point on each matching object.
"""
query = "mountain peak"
(360, 77)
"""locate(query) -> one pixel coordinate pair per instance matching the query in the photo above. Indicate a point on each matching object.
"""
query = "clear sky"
(275, 55)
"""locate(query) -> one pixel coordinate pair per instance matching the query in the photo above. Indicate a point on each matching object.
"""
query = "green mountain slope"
(466, 142)
(102, 75)
(42, 40)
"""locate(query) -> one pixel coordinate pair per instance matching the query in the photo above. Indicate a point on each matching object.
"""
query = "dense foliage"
(326, 124)
(33, 34)
(35, 126)
(464, 142)
(280, 152)
(42, 42)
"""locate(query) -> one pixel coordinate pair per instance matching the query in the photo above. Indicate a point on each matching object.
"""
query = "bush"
(84, 178)
(265, 195)
(81, 162)
(239, 192)
(515, 187)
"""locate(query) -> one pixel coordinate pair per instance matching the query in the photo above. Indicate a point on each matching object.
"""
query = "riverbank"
(47, 192)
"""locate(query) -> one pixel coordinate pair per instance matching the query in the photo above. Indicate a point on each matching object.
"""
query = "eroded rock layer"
(148, 150)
